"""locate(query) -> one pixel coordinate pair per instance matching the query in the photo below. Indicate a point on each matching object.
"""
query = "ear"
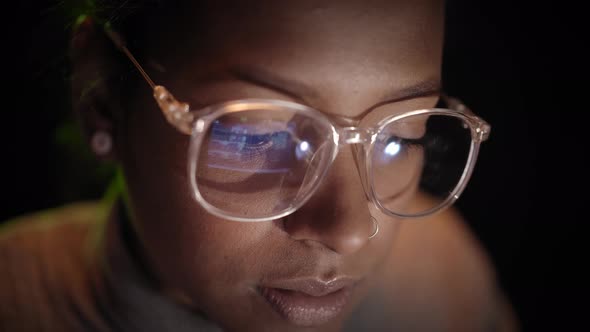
(94, 101)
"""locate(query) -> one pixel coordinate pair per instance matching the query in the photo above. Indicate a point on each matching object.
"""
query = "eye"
(394, 145)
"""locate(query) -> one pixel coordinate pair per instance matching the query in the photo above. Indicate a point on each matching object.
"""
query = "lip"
(309, 301)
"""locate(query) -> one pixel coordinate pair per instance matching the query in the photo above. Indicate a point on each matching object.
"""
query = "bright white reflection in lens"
(392, 148)
(303, 146)
(302, 150)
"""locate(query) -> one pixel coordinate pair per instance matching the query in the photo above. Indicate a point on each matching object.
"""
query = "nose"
(337, 216)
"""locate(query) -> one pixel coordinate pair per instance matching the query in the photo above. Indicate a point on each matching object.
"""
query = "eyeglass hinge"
(177, 113)
(483, 131)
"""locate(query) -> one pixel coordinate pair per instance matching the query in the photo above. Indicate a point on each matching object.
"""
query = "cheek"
(186, 245)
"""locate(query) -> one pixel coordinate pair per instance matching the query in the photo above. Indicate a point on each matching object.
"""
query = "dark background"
(500, 58)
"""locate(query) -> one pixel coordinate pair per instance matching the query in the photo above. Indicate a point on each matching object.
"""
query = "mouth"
(308, 302)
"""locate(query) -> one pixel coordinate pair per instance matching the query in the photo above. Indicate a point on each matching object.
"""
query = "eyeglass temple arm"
(119, 42)
(177, 113)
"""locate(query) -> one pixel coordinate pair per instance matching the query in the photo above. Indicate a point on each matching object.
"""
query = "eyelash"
(407, 142)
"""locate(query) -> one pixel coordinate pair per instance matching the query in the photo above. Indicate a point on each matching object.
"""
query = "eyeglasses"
(259, 159)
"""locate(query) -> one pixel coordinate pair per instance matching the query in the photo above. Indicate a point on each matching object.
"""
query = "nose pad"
(359, 155)
(337, 215)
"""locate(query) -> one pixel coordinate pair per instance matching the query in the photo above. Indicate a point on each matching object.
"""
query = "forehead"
(342, 13)
(330, 45)
(402, 25)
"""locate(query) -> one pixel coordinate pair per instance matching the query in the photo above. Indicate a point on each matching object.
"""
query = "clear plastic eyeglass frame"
(196, 122)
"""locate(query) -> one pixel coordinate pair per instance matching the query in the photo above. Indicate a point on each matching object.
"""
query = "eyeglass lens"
(259, 163)
(418, 161)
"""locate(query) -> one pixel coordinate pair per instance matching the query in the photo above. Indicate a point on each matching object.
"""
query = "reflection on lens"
(392, 148)
(418, 161)
(257, 163)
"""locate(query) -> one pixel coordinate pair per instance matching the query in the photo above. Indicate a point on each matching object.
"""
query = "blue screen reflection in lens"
(242, 147)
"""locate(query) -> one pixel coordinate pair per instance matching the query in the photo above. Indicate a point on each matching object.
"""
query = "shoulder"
(42, 234)
(439, 276)
(44, 256)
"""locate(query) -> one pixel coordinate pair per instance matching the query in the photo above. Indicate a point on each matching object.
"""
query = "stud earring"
(101, 143)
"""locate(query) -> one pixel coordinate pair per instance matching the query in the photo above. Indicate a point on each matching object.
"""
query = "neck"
(135, 299)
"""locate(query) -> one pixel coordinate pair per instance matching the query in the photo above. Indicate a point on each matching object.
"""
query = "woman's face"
(341, 57)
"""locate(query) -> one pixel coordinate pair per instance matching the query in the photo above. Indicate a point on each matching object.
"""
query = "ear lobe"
(93, 64)
(91, 116)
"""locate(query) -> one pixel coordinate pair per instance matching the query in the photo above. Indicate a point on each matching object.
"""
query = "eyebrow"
(300, 91)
